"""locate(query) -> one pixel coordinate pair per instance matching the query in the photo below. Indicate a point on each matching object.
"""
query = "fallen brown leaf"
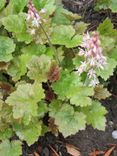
(36, 154)
(108, 153)
(74, 151)
(96, 153)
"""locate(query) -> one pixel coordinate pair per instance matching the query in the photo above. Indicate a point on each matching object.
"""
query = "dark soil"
(89, 139)
(86, 9)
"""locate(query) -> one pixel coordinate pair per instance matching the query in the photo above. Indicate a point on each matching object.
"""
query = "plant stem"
(50, 44)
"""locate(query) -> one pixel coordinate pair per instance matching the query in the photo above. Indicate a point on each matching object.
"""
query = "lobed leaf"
(109, 69)
(25, 103)
(29, 133)
(95, 115)
(7, 47)
(69, 86)
(101, 92)
(39, 68)
(12, 148)
(68, 121)
(65, 35)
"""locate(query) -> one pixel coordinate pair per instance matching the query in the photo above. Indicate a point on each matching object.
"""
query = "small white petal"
(43, 11)
(32, 32)
(35, 23)
(114, 134)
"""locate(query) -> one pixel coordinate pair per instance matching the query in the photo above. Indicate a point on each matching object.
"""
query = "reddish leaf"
(49, 95)
(52, 127)
(54, 73)
(96, 153)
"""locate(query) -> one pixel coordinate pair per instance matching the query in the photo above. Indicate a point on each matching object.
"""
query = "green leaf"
(59, 18)
(18, 5)
(14, 7)
(65, 35)
(95, 115)
(9, 23)
(34, 49)
(28, 133)
(80, 27)
(71, 16)
(63, 16)
(102, 4)
(81, 96)
(7, 47)
(19, 30)
(6, 117)
(42, 109)
(2, 3)
(68, 121)
(8, 148)
(50, 6)
(107, 43)
(18, 68)
(107, 29)
(24, 37)
(113, 6)
(108, 70)
(113, 53)
(6, 134)
(39, 4)
(39, 67)
(107, 4)
(69, 86)
(25, 103)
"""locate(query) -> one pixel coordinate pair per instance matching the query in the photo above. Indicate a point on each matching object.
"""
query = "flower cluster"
(33, 18)
(93, 57)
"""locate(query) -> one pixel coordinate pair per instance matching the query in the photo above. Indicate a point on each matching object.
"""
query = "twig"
(53, 150)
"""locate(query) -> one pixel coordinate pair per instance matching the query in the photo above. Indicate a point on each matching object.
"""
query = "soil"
(89, 139)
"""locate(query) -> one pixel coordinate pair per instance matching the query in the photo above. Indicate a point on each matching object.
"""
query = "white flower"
(43, 10)
(92, 62)
(82, 68)
(91, 74)
(35, 22)
(94, 82)
(81, 52)
(32, 31)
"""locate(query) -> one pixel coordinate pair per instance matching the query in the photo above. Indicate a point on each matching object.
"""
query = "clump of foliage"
(107, 4)
(50, 64)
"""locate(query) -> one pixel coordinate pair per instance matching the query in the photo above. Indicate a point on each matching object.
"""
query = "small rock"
(114, 134)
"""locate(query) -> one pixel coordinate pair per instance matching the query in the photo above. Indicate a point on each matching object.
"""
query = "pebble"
(114, 134)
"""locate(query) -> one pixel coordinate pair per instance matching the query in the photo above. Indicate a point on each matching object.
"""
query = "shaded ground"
(90, 138)
(86, 9)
